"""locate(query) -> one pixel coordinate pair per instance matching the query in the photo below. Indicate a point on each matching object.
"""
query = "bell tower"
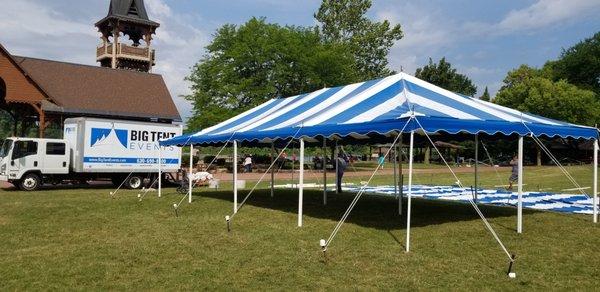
(126, 18)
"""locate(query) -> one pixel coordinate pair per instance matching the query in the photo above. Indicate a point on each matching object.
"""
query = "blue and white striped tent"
(376, 107)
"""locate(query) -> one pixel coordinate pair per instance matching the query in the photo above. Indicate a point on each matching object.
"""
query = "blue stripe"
(237, 122)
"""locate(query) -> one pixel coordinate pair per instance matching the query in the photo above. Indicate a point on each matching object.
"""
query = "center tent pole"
(301, 183)
(235, 177)
(190, 175)
(476, 165)
(395, 157)
(324, 164)
(520, 188)
(410, 173)
(338, 183)
(272, 169)
(401, 184)
(595, 181)
(159, 170)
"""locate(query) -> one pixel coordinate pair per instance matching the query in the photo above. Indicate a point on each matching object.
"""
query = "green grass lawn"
(82, 238)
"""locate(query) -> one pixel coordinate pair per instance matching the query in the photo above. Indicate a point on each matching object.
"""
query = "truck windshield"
(5, 148)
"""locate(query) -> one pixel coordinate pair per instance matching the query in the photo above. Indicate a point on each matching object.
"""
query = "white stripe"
(235, 118)
(430, 104)
(321, 106)
(383, 108)
(516, 112)
(285, 110)
(458, 98)
(261, 116)
(328, 114)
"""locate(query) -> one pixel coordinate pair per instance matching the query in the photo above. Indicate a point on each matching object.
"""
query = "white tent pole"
(272, 169)
(401, 186)
(324, 165)
(159, 170)
(301, 183)
(520, 188)
(596, 181)
(395, 157)
(337, 165)
(235, 176)
(410, 173)
(190, 174)
(476, 165)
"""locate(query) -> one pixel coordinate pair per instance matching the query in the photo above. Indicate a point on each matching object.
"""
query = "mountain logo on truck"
(108, 137)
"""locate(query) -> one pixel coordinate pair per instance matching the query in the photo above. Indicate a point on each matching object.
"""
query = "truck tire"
(134, 182)
(30, 182)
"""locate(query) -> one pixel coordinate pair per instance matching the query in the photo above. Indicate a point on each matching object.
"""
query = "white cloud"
(547, 12)
(179, 45)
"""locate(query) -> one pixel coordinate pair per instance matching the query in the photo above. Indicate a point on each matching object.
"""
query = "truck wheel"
(134, 182)
(30, 182)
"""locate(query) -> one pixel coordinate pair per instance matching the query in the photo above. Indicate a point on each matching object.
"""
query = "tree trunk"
(427, 155)
(539, 156)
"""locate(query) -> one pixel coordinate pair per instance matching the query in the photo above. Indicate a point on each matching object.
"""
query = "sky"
(482, 39)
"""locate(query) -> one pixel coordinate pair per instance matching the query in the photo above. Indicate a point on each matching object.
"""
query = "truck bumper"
(3, 178)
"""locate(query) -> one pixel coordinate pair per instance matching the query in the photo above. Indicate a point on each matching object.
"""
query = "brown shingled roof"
(83, 89)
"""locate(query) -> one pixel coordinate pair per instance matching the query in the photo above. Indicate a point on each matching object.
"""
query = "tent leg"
(401, 184)
(410, 173)
(159, 171)
(272, 170)
(520, 188)
(235, 177)
(338, 183)
(476, 165)
(395, 157)
(301, 183)
(324, 164)
(596, 181)
(190, 173)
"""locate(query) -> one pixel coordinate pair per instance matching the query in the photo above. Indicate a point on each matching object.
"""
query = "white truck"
(125, 152)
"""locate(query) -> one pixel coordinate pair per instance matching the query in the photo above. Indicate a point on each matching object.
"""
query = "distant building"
(37, 91)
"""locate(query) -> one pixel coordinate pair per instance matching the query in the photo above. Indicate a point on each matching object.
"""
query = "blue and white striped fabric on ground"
(570, 203)
(378, 107)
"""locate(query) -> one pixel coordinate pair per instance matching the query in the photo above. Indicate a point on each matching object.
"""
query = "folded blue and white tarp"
(378, 106)
(570, 203)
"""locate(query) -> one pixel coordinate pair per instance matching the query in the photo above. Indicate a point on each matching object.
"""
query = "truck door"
(24, 157)
(56, 160)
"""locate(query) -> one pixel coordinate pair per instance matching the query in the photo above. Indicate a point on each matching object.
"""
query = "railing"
(125, 51)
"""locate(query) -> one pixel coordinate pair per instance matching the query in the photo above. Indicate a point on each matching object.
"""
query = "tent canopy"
(378, 107)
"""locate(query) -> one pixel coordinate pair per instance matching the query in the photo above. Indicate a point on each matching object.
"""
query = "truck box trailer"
(125, 152)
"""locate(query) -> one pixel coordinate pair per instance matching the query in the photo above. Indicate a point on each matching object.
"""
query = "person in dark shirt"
(342, 164)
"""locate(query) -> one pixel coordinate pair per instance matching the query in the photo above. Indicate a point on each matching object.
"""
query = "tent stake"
(510, 273)
(228, 223)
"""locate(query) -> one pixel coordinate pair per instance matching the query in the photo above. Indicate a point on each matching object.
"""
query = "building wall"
(18, 87)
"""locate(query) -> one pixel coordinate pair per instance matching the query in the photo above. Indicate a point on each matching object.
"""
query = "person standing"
(381, 160)
(248, 163)
(342, 164)
(514, 175)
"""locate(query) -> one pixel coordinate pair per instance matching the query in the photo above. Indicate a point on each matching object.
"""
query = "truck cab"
(27, 162)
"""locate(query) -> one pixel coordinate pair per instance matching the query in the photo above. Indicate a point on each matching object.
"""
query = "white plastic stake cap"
(322, 242)
(139, 195)
(175, 206)
(512, 275)
(227, 218)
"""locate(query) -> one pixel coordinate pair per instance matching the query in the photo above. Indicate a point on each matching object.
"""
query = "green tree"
(486, 95)
(579, 65)
(245, 66)
(345, 22)
(443, 75)
(526, 89)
